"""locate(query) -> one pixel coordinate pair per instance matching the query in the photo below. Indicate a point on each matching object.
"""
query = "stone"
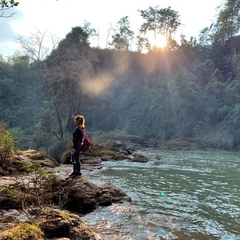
(63, 225)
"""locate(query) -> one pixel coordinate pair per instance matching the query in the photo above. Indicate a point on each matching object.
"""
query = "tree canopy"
(164, 21)
(189, 92)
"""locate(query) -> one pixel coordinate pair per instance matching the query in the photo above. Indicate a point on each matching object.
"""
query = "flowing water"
(176, 195)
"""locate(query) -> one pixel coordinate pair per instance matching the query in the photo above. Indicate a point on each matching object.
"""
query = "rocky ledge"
(37, 204)
(52, 224)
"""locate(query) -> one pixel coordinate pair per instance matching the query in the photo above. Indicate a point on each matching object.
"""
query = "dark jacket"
(77, 137)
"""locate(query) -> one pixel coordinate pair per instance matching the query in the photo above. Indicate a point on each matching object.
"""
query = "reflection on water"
(201, 197)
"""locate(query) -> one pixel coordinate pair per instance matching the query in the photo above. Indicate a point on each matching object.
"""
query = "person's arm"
(78, 140)
(81, 136)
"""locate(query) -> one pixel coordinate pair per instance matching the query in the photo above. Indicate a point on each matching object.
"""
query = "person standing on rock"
(78, 138)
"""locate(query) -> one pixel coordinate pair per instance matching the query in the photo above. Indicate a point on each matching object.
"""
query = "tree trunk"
(59, 122)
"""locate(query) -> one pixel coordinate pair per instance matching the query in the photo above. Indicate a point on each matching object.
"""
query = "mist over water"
(176, 195)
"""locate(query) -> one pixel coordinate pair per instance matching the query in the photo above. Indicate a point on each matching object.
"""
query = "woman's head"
(79, 120)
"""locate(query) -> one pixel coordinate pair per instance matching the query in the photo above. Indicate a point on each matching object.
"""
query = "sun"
(160, 41)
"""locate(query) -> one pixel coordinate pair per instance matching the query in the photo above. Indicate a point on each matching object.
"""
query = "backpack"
(87, 143)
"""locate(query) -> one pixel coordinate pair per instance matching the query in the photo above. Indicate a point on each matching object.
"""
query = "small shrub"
(30, 193)
(7, 145)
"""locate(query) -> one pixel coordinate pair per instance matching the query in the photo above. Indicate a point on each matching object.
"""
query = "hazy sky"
(58, 17)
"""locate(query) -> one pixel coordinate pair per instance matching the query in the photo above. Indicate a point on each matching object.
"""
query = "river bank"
(39, 200)
(98, 194)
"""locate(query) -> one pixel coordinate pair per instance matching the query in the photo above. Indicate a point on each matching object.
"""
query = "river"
(176, 195)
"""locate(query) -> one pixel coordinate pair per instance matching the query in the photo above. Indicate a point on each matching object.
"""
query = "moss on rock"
(23, 231)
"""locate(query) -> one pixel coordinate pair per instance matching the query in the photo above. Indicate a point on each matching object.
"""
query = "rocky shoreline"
(39, 201)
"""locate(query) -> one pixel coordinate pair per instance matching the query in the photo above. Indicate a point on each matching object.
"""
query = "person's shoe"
(78, 174)
(73, 174)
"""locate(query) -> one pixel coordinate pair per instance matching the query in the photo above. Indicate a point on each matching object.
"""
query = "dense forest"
(187, 90)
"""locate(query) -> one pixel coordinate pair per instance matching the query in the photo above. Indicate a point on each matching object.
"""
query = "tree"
(121, 40)
(225, 49)
(68, 67)
(47, 128)
(91, 32)
(169, 22)
(205, 38)
(14, 76)
(164, 21)
(36, 46)
(228, 21)
(142, 44)
(7, 5)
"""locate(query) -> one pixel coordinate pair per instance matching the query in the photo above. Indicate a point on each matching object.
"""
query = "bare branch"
(35, 46)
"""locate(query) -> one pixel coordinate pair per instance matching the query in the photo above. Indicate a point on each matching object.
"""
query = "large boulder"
(82, 196)
(58, 225)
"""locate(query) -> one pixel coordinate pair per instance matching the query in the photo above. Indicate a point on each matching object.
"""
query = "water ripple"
(200, 197)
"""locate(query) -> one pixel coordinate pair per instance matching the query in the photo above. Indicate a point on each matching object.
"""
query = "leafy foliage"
(7, 145)
(9, 3)
(228, 22)
(121, 40)
(6, 5)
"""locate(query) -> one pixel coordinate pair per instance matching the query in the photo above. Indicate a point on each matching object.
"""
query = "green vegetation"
(184, 91)
(24, 231)
(8, 3)
(31, 192)
(5, 5)
(7, 146)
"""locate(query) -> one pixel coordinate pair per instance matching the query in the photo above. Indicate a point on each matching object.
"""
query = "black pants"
(76, 163)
